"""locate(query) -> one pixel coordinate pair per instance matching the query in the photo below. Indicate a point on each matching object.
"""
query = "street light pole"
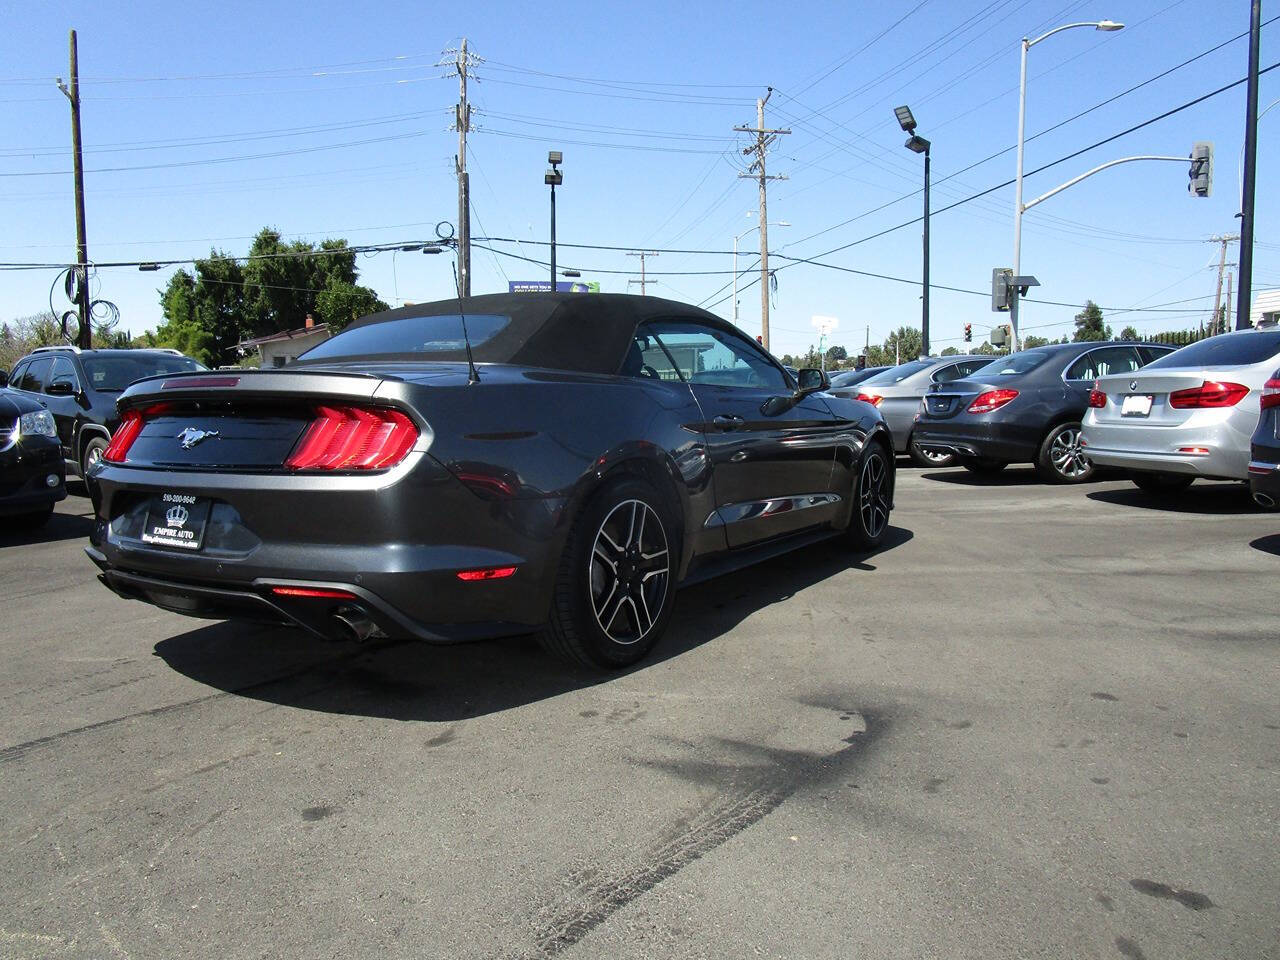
(1106, 26)
(553, 178)
(918, 144)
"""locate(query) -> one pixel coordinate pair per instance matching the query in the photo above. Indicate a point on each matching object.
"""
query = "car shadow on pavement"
(1212, 499)
(1008, 477)
(414, 681)
(1267, 544)
(60, 526)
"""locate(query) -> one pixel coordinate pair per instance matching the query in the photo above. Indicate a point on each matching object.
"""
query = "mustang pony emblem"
(193, 435)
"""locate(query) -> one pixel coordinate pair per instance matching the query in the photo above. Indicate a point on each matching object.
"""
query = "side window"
(646, 358)
(19, 371)
(707, 355)
(37, 375)
(63, 372)
(949, 372)
(1152, 353)
(1103, 361)
(971, 365)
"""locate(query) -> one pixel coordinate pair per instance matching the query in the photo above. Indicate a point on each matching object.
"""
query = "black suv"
(80, 387)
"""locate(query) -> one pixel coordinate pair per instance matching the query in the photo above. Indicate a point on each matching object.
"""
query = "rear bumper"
(1223, 434)
(991, 441)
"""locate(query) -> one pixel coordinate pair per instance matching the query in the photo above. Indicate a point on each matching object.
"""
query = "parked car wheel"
(1161, 484)
(1061, 459)
(871, 500)
(91, 454)
(982, 466)
(929, 458)
(616, 584)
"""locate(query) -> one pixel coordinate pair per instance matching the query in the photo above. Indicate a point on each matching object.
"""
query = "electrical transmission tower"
(763, 139)
(642, 254)
(462, 61)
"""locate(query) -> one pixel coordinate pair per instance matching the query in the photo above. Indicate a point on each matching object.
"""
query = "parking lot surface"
(1040, 722)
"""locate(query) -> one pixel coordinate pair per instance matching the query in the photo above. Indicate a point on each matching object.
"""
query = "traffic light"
(968, 333)
(1201, 171)
(1001, 277)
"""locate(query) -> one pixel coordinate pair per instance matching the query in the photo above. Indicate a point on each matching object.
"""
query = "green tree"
(341, 302)
(986, 349)
(1031, 342)
(1089, 324)
(904, 343)
(22, 335)
(1129, 333)
(950, 351)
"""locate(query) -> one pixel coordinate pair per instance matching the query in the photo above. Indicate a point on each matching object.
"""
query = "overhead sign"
(544, 286)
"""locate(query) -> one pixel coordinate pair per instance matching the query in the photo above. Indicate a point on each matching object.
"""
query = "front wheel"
(1061, 458)
(1161, 484)
(929, 458)
(871, 500)
(616, 585)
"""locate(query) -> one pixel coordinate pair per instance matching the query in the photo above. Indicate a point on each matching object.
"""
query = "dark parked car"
(603, 450)
(1264, 450)
(31, 472)
(896, 393)
(80, 389)
(849, 378)
(1026, 407)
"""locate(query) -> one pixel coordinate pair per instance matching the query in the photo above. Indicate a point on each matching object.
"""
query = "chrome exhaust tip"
(354, 625)
(1264, 500)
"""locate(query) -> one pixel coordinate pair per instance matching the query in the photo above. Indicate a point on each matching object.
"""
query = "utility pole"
(1218, 325)
(1250, 169)
(763, 139)
(1224, 319)
(642, 254)
(85, 338)
(461, 61)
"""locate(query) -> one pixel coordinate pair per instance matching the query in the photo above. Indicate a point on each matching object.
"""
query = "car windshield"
(1224, 350)
(898, 373)
(1012, 365)
(410, 335)
(113, 372)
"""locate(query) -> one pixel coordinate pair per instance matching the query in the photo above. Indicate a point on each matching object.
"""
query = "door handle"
(728, 421)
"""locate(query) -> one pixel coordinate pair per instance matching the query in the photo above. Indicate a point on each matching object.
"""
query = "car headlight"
(40, 424)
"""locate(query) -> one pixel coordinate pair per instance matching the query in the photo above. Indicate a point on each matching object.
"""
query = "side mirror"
(812, 380)
(60, 388)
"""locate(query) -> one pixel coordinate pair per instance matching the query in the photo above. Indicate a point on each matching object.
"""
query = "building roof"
(286, 335)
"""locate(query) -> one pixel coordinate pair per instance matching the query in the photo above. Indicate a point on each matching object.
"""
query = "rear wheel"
(91, 454)
(871, 500)
(616, 585)
(929, 458)
(1061, 459)
(1161, 484)
(984, 466)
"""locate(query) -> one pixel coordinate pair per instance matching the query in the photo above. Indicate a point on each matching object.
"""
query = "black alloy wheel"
(1061, 458)
(1161, 484)
(929, 458)
(872, 494)
(616, 585)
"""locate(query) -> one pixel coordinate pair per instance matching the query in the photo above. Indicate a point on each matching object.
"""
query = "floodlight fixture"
(905, 118)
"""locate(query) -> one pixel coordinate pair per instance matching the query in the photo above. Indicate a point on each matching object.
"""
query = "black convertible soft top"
(583, 332)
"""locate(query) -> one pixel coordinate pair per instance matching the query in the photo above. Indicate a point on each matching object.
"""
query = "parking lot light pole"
(1106, 26)
(917, 144)
(553, 179)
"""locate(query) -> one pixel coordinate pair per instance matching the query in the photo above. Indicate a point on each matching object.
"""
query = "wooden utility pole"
(85, 337)
(461, 62)
(763, 139)
(1219, 326)
(642, 254)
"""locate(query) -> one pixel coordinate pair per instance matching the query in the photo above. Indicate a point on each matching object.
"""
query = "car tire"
(872, 495)
(984, 466)
(615, 587)
(922, 458)
(1060, 459)
(91, 454)
(1161, 484)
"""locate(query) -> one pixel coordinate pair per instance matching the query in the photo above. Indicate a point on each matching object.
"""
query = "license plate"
(1136, 405)
(176, 520)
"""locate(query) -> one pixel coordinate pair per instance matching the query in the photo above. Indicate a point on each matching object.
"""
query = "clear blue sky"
(642, 101)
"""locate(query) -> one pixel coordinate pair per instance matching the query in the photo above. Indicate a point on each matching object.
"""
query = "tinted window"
(646, 358)
(956, 371)
(711, 356)
(1224, 350)
(19, 371)
(115, 371)
(1014, 364)
(423, 336)
(1153, 353)
(1104, 361)
(898, 373)
(37, 375)
(849, 377)
(62, 372)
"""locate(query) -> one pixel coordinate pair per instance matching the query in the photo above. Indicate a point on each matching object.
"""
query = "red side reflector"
(316, 593)
(489, 573)
(1196, 450)
(199, 382)
(991, 400)
(871, 398)
(1270, 394)
(1209, 394)
(354, 438)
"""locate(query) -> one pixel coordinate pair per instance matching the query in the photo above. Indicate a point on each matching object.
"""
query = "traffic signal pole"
(1244, 293)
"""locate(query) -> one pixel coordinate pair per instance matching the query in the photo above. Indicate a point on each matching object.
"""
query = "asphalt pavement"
(1040, 722)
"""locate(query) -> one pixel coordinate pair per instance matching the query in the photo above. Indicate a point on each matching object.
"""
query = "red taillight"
(314, 593)
(131, 424)
(354, 438)
(871, 398)
(1097, 399)
(991, 400)
(1270, 394)
(488, 573)
(1208, 394)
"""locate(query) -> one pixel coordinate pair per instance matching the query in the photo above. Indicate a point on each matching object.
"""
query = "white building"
(278, 349)
(1266, 307)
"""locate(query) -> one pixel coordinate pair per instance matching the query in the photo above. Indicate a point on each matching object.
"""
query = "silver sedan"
(1189, 414)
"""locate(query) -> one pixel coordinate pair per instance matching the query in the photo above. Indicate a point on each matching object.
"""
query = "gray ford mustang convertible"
(562, 466)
